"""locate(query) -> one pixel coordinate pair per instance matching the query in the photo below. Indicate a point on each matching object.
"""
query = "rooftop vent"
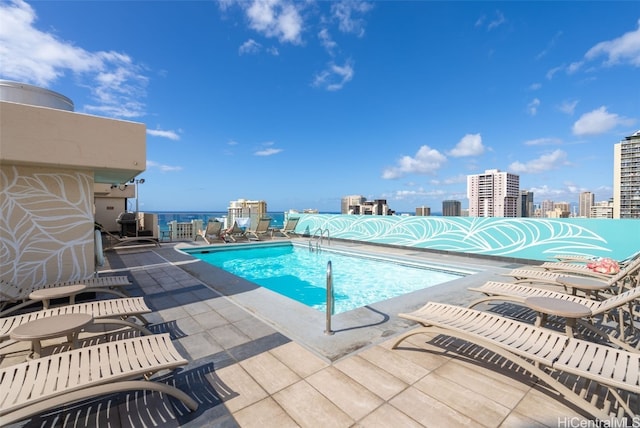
(22, 93)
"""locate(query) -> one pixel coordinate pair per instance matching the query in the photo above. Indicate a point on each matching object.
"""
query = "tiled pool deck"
(256, 360)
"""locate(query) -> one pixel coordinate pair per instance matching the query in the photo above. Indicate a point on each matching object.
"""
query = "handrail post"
(330, 300)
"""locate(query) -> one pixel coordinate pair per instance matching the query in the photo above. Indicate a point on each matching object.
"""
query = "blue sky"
(302, 102)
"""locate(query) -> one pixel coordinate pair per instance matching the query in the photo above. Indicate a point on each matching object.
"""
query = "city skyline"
(301, 103)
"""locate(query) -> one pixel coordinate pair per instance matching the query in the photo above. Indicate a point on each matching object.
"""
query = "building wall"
(520, 238)
(46, 227)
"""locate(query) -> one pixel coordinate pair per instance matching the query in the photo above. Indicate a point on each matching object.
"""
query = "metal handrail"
(330, 300)
(318, 238)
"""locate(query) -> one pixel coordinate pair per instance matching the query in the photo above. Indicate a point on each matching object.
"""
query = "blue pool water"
(300, 274)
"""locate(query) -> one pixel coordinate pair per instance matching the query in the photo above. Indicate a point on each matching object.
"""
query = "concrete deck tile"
(428, 411)
(254, 328)
(309, 408)
(545, 409)
(270, 373)
(232, 313)
(393, 362)
(228, 336)
(173, 313)
(354, 399)
(387, 416)
(264, 413)
(480, 408)
(372, 377)
(210, 320)
(200, 345)
(246, 391)
(299, 359)
(197, 307)
(189, 326)
(518, 420)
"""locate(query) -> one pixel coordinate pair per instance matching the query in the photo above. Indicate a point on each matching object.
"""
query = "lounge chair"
(13, 297)
(212, 232)
(261, 229)
(629, 276)
(289, 227)
(540, 352)
(518, 293)
(575, 258)
(108, 311)
(54, 381)
(234, 233)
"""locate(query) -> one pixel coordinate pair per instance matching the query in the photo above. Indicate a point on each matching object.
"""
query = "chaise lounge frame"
(51, 382)
(539, 351)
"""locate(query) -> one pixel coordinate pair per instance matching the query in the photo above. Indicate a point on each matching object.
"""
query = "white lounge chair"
(13, 297)
(541, 352)
(261, 229)
(234, 233)
(576, 258)
(289, 227)
(518, 293)
(212, 232)
(54, 381)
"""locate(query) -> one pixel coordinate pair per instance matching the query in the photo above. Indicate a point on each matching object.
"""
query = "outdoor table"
(587, 285)
(571, 311)
(46, 294)
(49, 328)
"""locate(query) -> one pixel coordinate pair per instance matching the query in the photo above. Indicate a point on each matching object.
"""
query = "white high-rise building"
(626, 177)
(493, 194)
(243, 209)
(349, 203)
(585, 203)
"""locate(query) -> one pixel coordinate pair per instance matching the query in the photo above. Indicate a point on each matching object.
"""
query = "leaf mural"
(46, 229)
(528, 238)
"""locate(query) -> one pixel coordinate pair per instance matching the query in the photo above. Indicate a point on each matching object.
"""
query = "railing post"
(330, 300)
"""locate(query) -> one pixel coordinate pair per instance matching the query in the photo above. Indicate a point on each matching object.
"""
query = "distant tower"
(349, 203)
(585, 203)
(525, 204)
(493, 194)
(423, 211)
(545, 207)
(626, 177)
(451, 208)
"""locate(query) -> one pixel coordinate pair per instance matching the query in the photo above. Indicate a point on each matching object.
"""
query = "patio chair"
(289, 227)
(261, 229)
(518, 293)
(51, 382)
(576, 258)
(108, 311)
(541, 352)
(234, 233)
(14, 297)
(212, 232)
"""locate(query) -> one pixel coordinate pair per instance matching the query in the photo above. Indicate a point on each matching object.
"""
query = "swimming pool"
(300, 274)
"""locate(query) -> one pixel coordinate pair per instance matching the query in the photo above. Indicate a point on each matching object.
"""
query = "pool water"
(300, 274)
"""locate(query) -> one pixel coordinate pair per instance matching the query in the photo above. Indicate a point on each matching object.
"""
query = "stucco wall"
(46, 227)
(521, 238)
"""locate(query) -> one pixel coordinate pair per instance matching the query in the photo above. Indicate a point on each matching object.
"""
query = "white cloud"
(335, 76)
(546, 162)
(498, 21)
(172, 135)
(543, 142)
(568, 107)
(426, 161)
(469, 145)
(535, 86)
(164, 168)
(598, 121)
(267, 152)
(326, 40)
(33, 56)
(249, 47)
(275, 18)
(345, 11)
(532, 107)
(624, 49)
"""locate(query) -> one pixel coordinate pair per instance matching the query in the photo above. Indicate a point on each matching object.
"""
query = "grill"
(127, 222)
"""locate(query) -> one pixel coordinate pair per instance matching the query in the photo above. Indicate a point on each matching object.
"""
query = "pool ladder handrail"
(318, 239)
(330, 300)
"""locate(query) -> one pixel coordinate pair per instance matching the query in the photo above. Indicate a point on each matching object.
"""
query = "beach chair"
(289, 227)
(518, 293)
(51, 382)
(234, 233)
(14, 297)
(261, 229)
(108, 311)
(212, 232)
(576, 258)
(591, 376)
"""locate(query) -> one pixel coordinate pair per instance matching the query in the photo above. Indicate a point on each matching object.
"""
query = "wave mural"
(527, 238)
(46, 228)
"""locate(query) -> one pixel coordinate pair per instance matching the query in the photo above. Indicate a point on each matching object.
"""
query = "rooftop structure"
(626, 177)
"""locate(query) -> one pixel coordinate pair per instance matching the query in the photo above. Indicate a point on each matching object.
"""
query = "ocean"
(164, 217)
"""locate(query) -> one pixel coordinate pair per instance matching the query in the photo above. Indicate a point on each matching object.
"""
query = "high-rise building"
(584, 204)
(493, 194)
(348, 204)
(602, 209)
(423, 211)
(243, 209)
(626, 177)
(451, 208)
(525, 204)
(545, 207)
